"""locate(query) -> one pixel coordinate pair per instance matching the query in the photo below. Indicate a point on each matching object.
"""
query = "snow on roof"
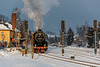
(4, 27)
(49, 35)
(16, 30)
(7, 26)
(75, 36)
(10, 26)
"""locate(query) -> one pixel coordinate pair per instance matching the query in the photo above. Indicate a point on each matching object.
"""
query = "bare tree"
(4, 18)
(81, 31)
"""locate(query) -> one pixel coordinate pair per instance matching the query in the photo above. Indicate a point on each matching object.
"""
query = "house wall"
(5, 35)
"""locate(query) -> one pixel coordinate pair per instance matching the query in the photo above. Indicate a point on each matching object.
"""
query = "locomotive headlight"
(35, 45)
(44, 45)
(40, 34)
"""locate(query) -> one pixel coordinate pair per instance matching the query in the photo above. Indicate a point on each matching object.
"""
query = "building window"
(2, 33)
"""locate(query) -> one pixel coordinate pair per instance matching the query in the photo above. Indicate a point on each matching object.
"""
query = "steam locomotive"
(39, 41)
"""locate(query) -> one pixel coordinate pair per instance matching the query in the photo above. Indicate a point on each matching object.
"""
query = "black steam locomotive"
(40, 44)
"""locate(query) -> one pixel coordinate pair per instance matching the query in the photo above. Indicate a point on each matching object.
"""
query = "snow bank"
(3, 53)
(15, 58)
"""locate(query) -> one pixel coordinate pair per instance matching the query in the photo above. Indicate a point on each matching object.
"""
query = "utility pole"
(95, 28)
(63, 28)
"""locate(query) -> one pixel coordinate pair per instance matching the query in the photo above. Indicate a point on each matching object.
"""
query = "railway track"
(88, 51)
(78, 60)
(85, 56)
(91, 64)
(78, 53)
(81, 53)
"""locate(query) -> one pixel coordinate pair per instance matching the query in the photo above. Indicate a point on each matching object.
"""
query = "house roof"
(7, 26)
(4, 27)
(10, 26)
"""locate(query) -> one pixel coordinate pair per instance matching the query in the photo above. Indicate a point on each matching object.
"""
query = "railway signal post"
(95, 28)
(32, 41)
(26, 29)
(63, 29)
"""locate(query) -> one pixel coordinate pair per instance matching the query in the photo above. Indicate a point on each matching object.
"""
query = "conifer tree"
(70, 35)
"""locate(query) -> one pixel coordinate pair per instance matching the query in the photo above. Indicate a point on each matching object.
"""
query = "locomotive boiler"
(39, 41)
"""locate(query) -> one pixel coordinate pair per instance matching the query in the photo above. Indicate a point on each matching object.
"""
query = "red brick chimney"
(13, 21)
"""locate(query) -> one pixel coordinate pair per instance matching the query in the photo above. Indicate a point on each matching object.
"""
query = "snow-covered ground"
(84, 57)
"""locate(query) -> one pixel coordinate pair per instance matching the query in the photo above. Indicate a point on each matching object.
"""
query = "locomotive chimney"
(39, 29)
(13, 21)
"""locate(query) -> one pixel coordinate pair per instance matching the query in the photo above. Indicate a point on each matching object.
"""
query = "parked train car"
(39, 41)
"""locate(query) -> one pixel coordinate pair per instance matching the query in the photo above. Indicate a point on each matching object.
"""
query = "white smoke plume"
(36, 9)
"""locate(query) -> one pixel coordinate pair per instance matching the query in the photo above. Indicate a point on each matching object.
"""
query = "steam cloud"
(36, 9)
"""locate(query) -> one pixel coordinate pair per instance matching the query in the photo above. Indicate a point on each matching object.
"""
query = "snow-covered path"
(52, 58)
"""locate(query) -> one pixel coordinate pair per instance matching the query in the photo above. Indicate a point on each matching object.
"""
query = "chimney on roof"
(1, 21)
(13, 21)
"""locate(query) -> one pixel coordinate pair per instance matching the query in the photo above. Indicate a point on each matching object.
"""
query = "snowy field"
(84, 57)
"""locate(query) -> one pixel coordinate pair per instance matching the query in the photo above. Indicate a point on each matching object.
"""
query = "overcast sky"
(74, 12)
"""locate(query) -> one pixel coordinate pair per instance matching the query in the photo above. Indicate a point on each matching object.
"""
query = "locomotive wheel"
(35, 51)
